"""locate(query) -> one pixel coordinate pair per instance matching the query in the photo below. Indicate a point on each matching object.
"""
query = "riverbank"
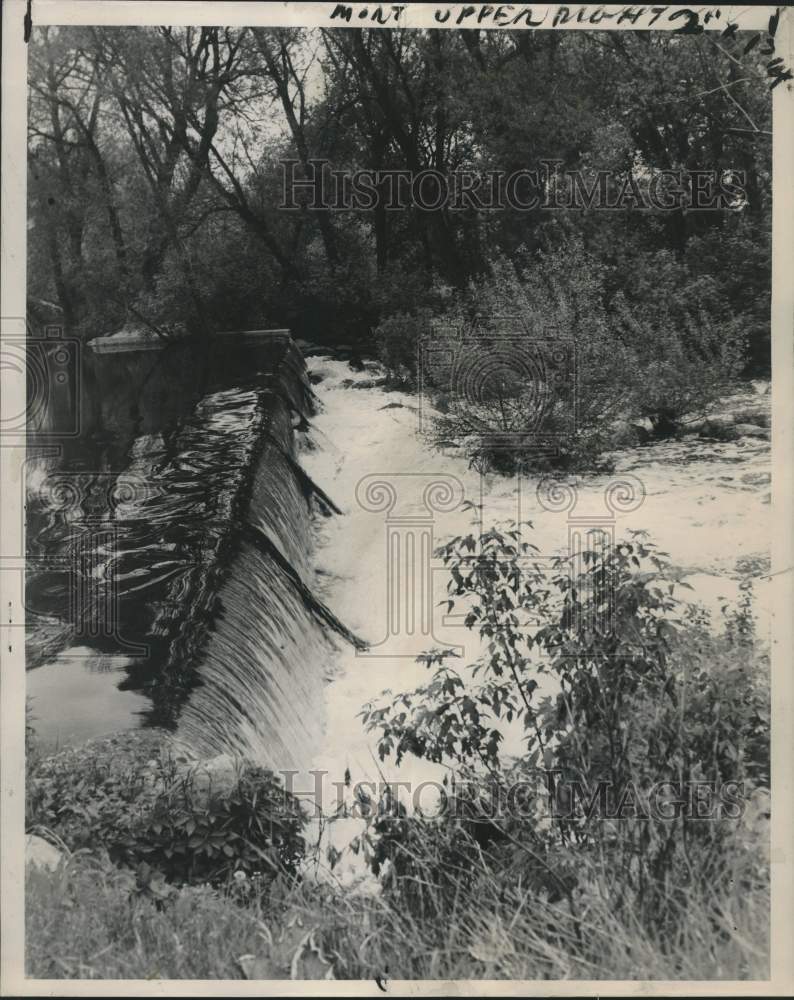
(704, 501)
(495, 920)
(89, 918)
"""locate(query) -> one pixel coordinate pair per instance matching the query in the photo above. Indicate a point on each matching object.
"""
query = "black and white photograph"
(397, 449)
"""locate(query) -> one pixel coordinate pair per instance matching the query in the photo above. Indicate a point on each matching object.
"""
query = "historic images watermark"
(416, 580)
(317, 186)
(70, 592)
(591, 540)
(538, 793)
(409, 504)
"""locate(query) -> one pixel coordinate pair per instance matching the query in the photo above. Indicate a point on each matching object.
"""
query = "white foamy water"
(706, 504)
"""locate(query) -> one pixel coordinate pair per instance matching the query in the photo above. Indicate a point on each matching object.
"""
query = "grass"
(89, 920)
(639, 899)
(84, 922)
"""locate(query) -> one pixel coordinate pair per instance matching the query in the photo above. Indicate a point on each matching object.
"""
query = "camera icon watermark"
(72, 585)
(497, 383)
(41, 372)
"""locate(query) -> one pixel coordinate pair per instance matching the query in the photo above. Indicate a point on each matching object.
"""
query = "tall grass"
(86, 921)
(89, 920)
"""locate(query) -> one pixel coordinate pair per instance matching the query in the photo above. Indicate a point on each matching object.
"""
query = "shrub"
(192, 835)
(651, 706)
(397, 341)
(130, 796)
(543, 362)
(681, 360)
(91, 795)
(520, 353)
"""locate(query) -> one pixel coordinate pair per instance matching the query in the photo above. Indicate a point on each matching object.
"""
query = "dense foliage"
(641, 758)
(151, 812)
(541, 355)
(155, 172)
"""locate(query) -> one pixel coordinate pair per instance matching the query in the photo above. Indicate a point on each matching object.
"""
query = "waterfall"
(262, 672)
(262, 668)
(203, 532)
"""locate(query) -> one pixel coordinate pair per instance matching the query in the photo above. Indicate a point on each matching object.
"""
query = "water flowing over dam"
(181, 518)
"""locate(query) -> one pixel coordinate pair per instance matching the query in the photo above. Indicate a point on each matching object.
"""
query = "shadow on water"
(168, 528)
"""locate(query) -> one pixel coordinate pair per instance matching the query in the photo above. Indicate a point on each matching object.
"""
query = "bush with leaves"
(192, 835)
(542, 353)
(682, 360)
(91, 795)
(397, 341)
(532, 357)
(646, 699)
(129, 795)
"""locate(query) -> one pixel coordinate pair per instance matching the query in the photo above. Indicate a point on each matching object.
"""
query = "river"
(706, 503)
(243, 529)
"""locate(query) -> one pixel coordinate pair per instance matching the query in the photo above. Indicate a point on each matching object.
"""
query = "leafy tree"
(141, 139)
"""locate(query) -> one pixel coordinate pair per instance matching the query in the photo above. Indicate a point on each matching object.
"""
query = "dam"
(169, 547)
